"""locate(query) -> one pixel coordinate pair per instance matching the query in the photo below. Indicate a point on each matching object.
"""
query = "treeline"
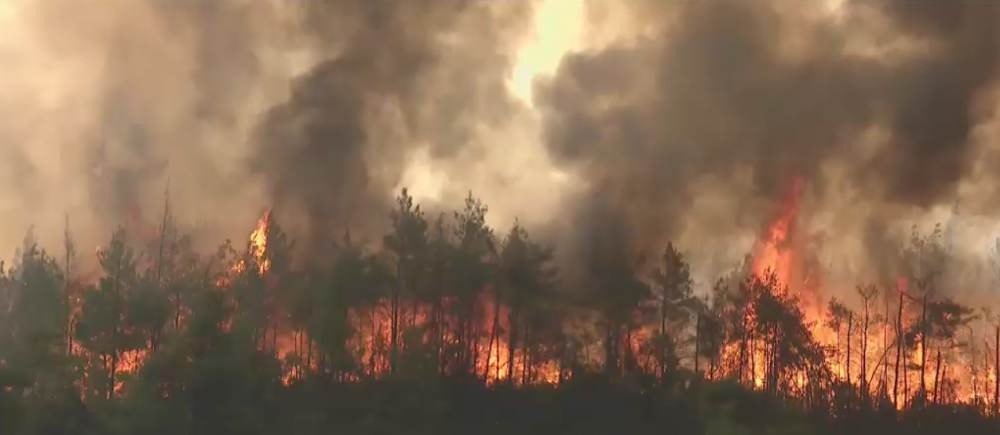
(450, 327)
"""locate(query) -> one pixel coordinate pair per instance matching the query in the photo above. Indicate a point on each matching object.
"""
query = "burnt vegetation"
(450, 326)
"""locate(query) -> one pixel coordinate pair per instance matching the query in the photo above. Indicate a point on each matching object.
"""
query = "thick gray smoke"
(396, 75)
(875, 110)
(688, 122)
(107, 102)
(313, 108)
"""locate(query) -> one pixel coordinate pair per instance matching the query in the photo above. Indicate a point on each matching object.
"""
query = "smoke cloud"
(314, 108)
(398, 76)
(716, 106)
(684, 121)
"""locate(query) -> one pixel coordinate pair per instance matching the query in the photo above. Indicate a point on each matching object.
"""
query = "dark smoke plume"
(396, 67)
(311, 107)
(747, 96)
(690, 126)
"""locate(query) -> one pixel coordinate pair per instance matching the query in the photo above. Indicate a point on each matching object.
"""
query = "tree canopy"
(451, 326)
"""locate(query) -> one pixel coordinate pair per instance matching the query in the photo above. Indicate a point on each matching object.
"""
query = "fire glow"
(858, 353)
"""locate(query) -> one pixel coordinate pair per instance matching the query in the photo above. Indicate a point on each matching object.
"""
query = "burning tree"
(450, 298)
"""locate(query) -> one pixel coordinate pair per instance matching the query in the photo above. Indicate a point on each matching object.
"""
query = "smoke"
(105, 102)
(682, 121)
(875, 105)
(401, 76)
(314, 108)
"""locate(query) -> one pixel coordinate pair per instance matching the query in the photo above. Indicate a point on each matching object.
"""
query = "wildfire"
(492, 359)
(258, 242)
(774, 253)
(873, 365)
(483, 347)
(258, 247)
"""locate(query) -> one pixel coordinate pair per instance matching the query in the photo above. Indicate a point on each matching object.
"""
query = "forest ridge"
(453, 327)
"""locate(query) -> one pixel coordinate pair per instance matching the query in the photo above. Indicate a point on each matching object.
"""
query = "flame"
(258, 242)
(774, 253)
(487, 340)
(258, 249)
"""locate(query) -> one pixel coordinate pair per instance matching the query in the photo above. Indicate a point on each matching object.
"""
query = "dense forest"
(450, 326)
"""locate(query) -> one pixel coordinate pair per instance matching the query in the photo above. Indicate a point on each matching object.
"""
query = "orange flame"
(258, 241)
(775, 252)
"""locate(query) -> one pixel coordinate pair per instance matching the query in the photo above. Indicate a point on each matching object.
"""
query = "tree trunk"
(837, 354)
(923, 348)
(513, 321)
(741, 368)
(154, 339)
(111, 377)
(663, 333)
(441, 325)
(114, 329)
(864, 356)
(493, 339)
(885, 348)
(610, 350)
(899, 352)
(526, 358)
(321, 365)
(177, 309)
(394, 321)
(972, 369)
(274, 335)
(474, 337)
(996, 374)
(307, 341)
(376, 332)
(66, 287)
(753, 362)
(773, 361)
(850, 329)
(906, 385)
(697, 342)
(627, 352)
(937, 375)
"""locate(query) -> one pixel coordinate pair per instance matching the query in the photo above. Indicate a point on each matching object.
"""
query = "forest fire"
(768, 327)
(899, 355)
(487, 342)
(258, 242)
(851, 352)
(720, 197)
(774, 253)
(775, 263)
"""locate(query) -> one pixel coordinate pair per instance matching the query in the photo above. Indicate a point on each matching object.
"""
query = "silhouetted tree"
(672, 281)
(406, 243)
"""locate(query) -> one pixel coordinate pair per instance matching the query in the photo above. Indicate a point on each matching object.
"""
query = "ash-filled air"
(683, 121)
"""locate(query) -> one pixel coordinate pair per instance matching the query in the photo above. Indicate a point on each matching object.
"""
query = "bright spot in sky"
(558, 29)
